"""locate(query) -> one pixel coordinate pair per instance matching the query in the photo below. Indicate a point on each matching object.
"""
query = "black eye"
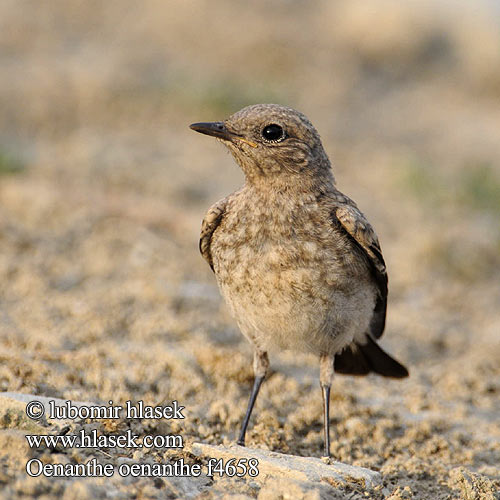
(273, 133)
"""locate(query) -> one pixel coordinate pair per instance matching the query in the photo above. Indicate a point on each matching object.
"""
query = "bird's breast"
(288, 276)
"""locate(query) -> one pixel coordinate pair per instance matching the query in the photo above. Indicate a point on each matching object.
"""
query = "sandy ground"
(103, 188)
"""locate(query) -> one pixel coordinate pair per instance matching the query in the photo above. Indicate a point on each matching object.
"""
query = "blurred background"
(103, 188)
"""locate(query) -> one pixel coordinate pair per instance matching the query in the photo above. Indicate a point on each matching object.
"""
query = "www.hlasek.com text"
(95, 440)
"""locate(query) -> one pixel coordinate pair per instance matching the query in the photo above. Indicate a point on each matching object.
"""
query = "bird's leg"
(325, 379)
(260, 366)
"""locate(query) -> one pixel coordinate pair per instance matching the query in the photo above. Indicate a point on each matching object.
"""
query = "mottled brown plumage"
(297, 262)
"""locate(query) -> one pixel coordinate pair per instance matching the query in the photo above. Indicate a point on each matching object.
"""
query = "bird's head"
(271, 143)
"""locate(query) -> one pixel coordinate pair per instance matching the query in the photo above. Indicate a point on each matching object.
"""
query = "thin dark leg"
(325, 379)
(326, 418)
(255, 390)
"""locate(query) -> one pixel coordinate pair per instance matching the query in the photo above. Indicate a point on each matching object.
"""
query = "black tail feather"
(361, 359)
(351, 361)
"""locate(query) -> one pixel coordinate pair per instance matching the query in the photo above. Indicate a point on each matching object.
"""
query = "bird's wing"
(360, 230)
(210, 223)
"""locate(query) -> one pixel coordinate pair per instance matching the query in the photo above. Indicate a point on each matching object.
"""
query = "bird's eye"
(273, 133)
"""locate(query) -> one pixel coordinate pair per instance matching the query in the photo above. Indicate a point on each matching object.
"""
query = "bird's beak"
(215, 129)
(219, 130)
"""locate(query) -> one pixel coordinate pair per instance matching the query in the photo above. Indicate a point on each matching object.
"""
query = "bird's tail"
(361, 359)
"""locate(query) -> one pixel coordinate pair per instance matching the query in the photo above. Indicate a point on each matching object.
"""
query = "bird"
(295, 259)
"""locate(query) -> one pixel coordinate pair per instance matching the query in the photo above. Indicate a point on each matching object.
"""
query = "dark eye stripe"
(273, 133)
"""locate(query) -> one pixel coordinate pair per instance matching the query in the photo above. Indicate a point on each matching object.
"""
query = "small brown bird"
(295, 259)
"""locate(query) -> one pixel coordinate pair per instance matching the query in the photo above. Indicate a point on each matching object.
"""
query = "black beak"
(215, 129)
